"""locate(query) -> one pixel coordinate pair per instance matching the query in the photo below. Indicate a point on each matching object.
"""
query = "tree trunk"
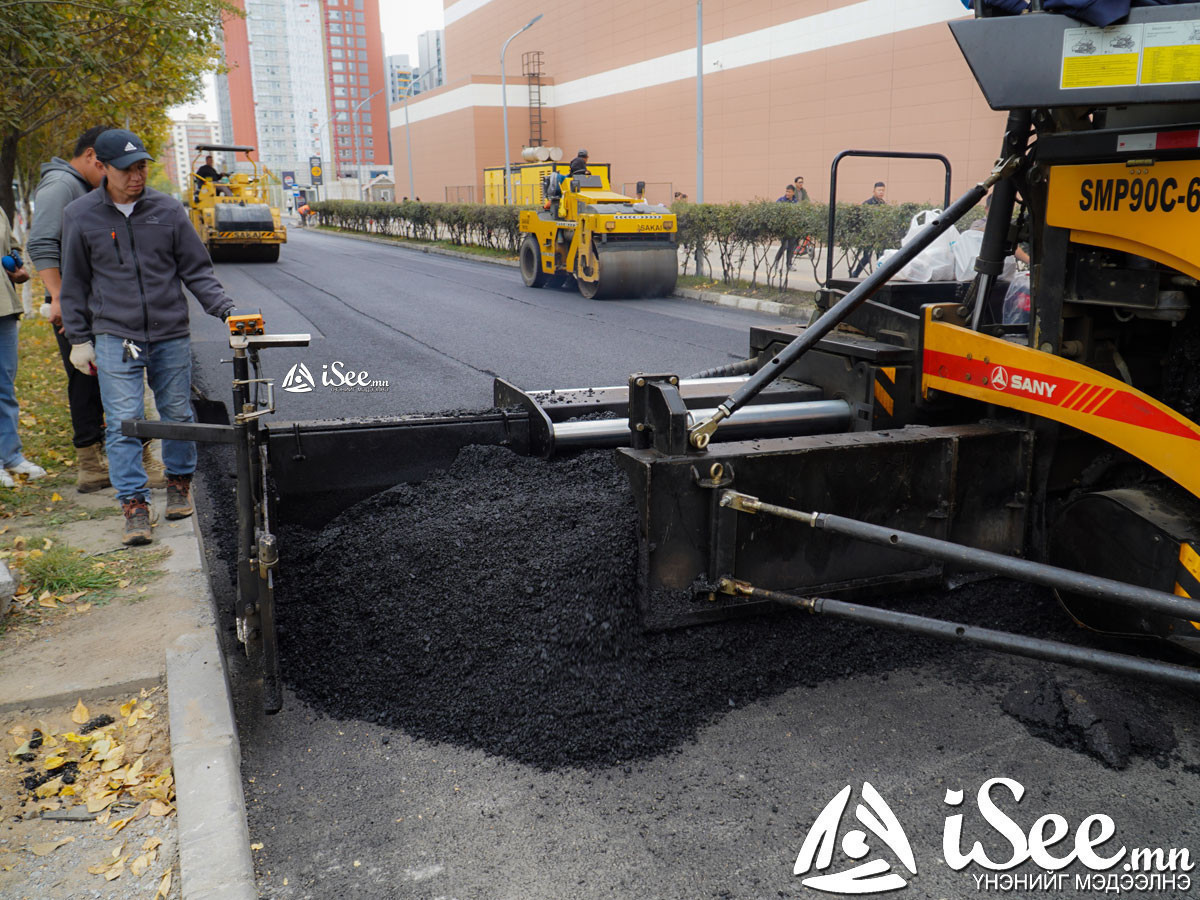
(8, 168)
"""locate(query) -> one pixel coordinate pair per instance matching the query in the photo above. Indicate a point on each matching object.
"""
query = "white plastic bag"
(935, 262)
(966, 250)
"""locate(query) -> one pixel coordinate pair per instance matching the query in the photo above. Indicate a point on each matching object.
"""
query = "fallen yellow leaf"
(49, 788)
(95, 804)
(152, 843)
(115, 870)
(257, 846)
(123, 582)
(139, 865)
(80, 714)
(54, 762)
(158, 808)
(164, 887)
(127, 707)
(68, 791)
(83, 607)
(141, 590)
(48, 602)
(98, 870)
(54, 498)
(50, 846)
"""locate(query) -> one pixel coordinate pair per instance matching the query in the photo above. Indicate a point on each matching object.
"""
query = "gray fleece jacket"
(124, 276)
(59, 185)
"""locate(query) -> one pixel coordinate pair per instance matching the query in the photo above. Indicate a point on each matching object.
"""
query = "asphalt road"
(352, 809)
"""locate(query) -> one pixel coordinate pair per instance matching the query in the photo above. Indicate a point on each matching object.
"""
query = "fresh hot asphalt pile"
(493, 606)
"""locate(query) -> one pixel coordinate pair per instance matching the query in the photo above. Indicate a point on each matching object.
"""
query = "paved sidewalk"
(149, 644)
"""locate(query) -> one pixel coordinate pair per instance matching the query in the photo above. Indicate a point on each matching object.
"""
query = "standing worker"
(127, 251)
(11, 456)
(61, 183)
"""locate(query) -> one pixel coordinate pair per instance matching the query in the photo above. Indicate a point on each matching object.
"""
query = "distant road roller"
(614, 246)
(235, 219)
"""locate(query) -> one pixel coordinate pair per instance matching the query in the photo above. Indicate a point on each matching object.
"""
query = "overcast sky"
(400, 20)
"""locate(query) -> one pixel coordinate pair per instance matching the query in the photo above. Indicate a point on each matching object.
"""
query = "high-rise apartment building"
(185, 134)
(307, 78)
(432, 59)
(401, 78)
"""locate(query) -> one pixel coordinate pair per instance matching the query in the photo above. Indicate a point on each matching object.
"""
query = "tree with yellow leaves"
(68, 64)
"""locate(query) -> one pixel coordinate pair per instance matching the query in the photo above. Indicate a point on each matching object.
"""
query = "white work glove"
(83, 357)
(45, 311)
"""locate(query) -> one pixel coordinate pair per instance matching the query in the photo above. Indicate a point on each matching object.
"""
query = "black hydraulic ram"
(700, 435)
(1022, 569)
(1004, 641)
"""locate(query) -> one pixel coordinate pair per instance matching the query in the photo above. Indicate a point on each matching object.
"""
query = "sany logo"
(1001, 380)
(298, 380)
(867, 878)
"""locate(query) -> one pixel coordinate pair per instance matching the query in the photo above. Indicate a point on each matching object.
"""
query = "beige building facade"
(787, 85)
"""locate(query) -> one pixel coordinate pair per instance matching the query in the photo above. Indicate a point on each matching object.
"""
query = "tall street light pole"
(354, 128)
(699, 101)
(504, 105)
(408, 137)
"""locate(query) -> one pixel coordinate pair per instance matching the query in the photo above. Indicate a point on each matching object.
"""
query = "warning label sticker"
(1172, 53)
(1101, 57)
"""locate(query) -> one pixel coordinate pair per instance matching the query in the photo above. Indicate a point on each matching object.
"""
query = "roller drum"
(628, 270)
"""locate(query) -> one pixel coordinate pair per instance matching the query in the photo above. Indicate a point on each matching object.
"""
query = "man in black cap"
(127, 250)
(579, 164)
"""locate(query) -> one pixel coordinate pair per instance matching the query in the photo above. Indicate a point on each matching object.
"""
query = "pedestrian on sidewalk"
(787, 246)
(127, 252)
(61, 182)
(11, 455)
(866, 255)
(801, 193)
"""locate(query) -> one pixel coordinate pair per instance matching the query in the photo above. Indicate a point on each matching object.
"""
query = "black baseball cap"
(120, 148)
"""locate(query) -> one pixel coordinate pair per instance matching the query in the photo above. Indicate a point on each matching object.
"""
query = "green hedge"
(461, 223)
(738, 232)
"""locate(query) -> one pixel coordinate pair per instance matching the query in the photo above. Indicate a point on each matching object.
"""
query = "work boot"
(156, 475)
(93, 469)
(179, 496)
(137, 521)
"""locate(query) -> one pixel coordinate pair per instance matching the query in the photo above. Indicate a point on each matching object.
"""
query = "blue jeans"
(10, 441)
(168, 367)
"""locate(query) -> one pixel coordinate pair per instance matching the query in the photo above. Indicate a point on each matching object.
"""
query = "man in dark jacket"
(61, 183)
(579, 164)
(127, 251)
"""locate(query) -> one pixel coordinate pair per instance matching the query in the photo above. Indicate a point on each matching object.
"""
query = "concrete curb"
(214, 840)
(714, 298)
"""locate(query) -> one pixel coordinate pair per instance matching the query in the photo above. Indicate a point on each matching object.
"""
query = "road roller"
(613, 246)
(910, 435)
(235, 220)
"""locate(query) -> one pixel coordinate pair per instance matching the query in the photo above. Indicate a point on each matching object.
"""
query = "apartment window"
(364, 116)
(339, 79)
(339, 104)
(335, 28)
(368, 142)
(362, 42)
(358, 4)
(362, 67)
(334, 15)
(360, 29)
(337, 52)
(339, 92)
(337, 66)
(335, 40)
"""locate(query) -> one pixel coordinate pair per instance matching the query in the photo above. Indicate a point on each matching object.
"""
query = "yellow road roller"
(614, 246)
(234, 216)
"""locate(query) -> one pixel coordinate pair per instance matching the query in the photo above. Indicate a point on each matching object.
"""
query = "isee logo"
(1049, 844)
(335, 376)
(868, 877)
(298, 380)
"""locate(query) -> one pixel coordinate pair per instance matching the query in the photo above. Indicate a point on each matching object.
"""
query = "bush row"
(739, 233)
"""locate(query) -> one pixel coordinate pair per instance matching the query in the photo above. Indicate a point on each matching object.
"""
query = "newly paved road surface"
(350, 809)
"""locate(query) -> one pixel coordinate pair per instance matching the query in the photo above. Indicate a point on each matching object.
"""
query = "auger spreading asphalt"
(493, 606)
